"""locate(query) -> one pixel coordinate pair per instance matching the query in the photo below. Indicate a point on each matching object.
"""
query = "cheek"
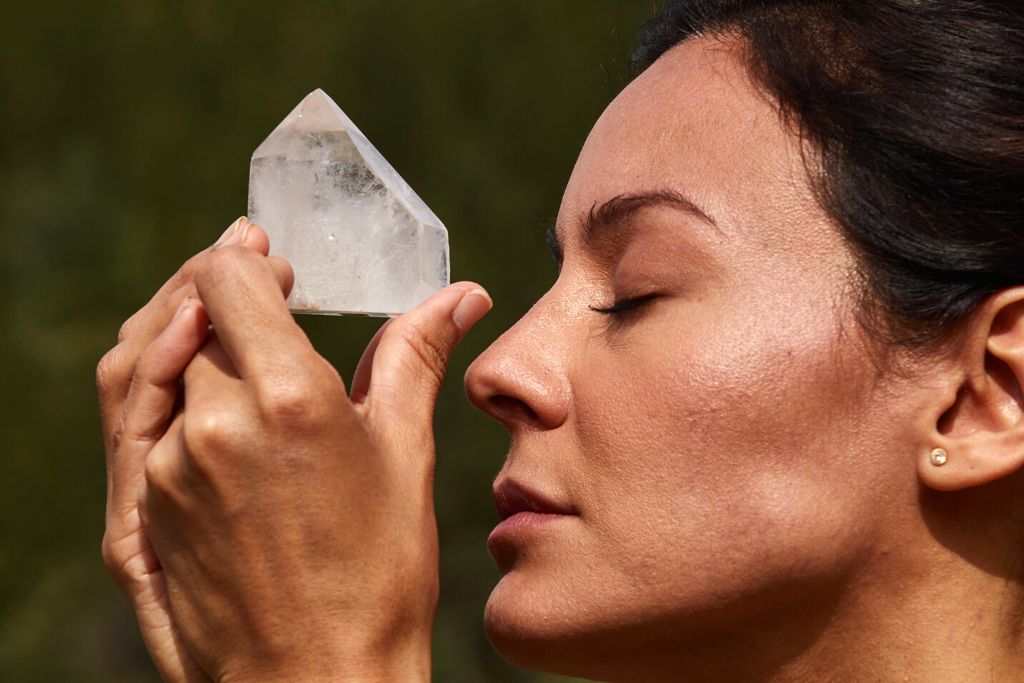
(716, 447)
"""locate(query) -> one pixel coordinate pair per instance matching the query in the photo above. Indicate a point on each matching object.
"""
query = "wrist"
(408, 661)
(405, 661)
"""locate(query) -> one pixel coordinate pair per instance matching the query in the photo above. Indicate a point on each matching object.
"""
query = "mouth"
(523, 512)
(512, 498)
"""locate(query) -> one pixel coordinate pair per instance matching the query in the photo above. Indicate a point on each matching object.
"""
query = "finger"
(411, 358)
(211, 363)
(152, 318)
(215, 400)
(114, 374)
(148, 591)
(143, 580)
(284, 274)
(361, 377)
(218, 422)
(150, 401)
(245, 303)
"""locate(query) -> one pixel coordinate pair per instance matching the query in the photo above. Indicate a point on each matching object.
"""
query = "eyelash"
(625, 307)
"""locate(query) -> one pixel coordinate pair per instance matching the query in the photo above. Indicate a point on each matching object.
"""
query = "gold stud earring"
(939, 457)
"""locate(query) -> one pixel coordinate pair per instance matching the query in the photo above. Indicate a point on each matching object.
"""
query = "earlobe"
(980, 437)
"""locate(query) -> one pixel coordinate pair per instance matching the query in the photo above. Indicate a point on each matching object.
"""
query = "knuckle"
(432, 353)
(208, 432)
(129, 570)
(289, 401)
(127, 328)
(110, 555)
(159, 472)
(301, 400)
(110, 371)
(119, 564)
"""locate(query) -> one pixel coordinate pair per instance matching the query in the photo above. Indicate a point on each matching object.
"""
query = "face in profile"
(693, 394)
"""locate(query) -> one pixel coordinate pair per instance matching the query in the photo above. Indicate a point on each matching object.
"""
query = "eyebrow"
(604, 219)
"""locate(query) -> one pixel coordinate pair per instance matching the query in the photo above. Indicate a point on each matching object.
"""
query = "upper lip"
(511, 497)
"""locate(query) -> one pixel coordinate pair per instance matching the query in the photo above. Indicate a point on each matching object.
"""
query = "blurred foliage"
(127, 128)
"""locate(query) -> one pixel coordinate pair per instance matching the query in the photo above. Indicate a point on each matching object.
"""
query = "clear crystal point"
(358, 238)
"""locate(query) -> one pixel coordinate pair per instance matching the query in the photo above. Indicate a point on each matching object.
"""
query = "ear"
(980, 423)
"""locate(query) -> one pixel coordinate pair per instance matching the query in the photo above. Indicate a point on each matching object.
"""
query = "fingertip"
(231, 234)
(185, 309)
(190, 319)
(255, 237)
(467, 286)
(284, 272)
(169, 353)
(246, 233)
(474, 305)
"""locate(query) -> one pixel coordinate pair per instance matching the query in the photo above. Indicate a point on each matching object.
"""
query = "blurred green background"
(125, 135)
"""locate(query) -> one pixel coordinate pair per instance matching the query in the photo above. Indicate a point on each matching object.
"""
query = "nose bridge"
(523, 375)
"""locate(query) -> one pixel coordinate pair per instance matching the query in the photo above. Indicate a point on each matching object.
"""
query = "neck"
(937, 601)
(950, 622)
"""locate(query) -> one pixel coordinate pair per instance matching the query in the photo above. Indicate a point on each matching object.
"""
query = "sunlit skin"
(744, 475)
(716, 472)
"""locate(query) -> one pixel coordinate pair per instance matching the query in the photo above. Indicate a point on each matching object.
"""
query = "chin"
(573, 624)
(526, 628)
(545, 627)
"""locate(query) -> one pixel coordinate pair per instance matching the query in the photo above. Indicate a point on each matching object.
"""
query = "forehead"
(695, 124)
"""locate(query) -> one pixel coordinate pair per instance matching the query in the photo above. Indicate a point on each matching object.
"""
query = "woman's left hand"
(294, 522)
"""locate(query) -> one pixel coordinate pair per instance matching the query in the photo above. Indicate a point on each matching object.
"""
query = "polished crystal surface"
(359, 239)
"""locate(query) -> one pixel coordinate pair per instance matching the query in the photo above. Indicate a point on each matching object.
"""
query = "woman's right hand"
(176, 323)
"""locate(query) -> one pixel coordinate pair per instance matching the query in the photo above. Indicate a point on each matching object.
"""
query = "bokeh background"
(125, 135)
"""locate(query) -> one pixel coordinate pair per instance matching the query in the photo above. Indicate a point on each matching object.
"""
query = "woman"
(766, 425)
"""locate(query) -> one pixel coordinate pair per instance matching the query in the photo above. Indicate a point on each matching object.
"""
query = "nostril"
(512, 410)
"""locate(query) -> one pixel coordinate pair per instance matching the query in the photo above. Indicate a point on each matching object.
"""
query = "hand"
(295, 523)
(165, 331)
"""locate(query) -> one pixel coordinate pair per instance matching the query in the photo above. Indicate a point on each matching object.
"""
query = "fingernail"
(234, 234)
(473, 306)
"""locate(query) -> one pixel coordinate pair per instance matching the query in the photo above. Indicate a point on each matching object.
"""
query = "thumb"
(412, 355)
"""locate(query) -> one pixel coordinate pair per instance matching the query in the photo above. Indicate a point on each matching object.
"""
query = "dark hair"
(916, 111)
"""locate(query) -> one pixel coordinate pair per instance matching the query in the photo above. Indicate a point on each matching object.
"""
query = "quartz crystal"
(357, 236)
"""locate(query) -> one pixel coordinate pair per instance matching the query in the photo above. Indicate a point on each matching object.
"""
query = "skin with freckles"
(695, 388)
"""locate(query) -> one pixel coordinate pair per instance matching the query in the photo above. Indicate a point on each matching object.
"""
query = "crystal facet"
(357, 236)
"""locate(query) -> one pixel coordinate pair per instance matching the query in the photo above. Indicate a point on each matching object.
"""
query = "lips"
(524, 513)
(511, 498)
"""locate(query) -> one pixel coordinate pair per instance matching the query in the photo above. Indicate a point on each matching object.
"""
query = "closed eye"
(625, 306)
(554, 245)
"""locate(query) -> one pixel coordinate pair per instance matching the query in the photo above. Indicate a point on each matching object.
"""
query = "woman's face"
(719, 448)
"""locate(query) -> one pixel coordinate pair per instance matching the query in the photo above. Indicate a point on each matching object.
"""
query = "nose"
(521, 380)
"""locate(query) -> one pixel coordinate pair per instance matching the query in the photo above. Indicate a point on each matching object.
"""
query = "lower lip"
(522, 522)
